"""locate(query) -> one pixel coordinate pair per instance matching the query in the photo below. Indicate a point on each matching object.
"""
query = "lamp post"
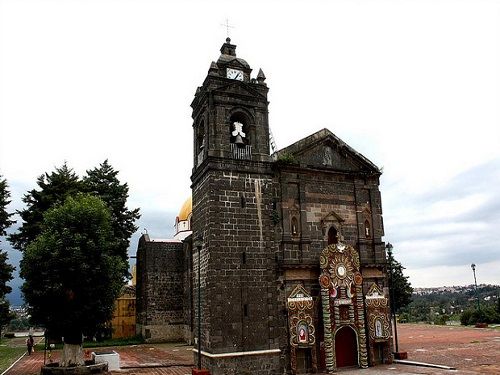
(198, 244)
(473, 266)
(391, 294)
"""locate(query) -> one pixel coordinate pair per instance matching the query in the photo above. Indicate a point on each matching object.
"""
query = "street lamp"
(473, 266)
(389, 248)
(198, 243)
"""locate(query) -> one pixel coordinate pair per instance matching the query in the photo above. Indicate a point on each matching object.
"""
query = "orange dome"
(186, 209)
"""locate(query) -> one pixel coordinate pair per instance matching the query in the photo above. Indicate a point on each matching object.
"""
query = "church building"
(287, 246)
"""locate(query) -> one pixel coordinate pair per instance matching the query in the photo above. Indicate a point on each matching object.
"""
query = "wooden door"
(346, 347)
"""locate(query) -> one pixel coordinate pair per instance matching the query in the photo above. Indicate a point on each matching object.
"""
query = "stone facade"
(261, 223)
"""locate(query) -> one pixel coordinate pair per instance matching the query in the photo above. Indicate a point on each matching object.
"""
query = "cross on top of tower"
(227, 26)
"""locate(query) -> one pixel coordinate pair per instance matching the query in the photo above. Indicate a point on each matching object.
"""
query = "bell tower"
(233, 231)
(230, 111)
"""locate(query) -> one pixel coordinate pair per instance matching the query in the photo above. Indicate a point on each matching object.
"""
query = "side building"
(164, 284)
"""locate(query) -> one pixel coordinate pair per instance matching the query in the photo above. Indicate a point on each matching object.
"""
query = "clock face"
(234, 74)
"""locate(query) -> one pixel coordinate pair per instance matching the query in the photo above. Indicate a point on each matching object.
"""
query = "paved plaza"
(470, 350)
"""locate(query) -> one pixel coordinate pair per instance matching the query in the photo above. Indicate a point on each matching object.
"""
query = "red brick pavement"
(472, 351)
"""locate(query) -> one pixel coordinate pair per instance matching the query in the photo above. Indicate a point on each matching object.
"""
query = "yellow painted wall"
(123, 322)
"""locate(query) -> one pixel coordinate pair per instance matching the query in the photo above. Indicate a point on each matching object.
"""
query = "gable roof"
(321, 137)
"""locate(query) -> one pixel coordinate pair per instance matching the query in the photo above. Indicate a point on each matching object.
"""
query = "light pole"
(391, 294)
(198, 244)
(473, 266)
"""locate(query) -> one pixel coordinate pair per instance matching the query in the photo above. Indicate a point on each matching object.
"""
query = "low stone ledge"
(88, 368)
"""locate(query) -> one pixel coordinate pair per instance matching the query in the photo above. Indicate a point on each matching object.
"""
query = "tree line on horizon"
(459, 305)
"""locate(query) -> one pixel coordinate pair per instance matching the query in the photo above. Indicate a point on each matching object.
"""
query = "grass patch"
(136, 340)
(8, 355)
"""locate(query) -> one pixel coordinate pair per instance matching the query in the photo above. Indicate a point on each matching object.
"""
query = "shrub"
(486, 315)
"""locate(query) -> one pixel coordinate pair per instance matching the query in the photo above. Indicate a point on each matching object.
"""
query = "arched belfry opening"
(200, 142)
(240, 135)
(200, 136)
(239, 132)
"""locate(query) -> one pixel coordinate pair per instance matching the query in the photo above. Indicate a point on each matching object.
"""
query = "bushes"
(441, 319)
(486, 315)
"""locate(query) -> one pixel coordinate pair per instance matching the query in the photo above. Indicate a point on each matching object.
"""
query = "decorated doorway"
(346, 347)
(343, 307)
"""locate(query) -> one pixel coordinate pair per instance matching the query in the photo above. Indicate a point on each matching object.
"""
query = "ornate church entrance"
(343, 307)
(346, 347)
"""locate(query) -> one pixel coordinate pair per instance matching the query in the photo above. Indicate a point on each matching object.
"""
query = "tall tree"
(53, 189)
(400, 284)
(72, 273)
(103, 182)
(5, 268)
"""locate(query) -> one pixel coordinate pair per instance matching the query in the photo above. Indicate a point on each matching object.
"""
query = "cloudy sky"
(412, 85)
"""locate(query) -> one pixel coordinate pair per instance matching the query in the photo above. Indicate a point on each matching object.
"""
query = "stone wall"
(160, 285)
(240, 310)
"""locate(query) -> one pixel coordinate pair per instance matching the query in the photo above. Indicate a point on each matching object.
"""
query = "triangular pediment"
(332, 217)
(299, 293)
(325, 150)
(235, 63)
(375, 292)
(238, 88)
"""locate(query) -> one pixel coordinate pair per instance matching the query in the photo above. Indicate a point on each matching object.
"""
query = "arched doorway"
(346, 347)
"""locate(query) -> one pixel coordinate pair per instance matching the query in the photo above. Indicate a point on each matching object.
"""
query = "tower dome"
(183, 220)
(186, 209)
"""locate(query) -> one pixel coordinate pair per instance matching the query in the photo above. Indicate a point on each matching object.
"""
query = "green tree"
(53, 189)
(72, 273)
(5, 268)
(103, 182)
(400, 284)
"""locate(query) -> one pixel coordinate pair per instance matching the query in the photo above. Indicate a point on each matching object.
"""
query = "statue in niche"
(328, 157)
(302, 333)
(378, 328)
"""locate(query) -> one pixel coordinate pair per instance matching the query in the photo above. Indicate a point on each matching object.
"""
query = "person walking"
(29, 344)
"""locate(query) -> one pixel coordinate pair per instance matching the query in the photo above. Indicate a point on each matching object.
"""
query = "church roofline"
(323, 134)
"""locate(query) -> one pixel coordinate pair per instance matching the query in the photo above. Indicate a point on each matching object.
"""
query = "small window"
(332, 236)
(200, 137)
(295, 226)
(368, 233)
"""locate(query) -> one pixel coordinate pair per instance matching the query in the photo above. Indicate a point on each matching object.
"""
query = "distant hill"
(429, 304)
(15, 298)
